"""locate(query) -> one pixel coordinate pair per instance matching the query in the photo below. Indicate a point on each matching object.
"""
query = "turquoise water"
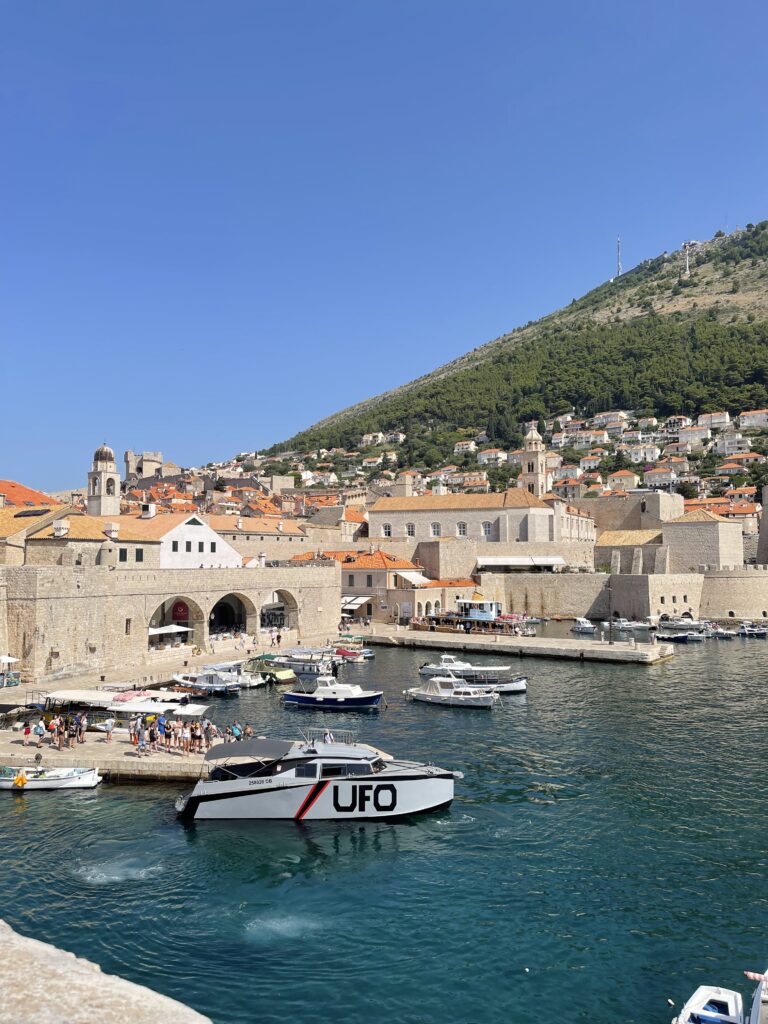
(609, 836)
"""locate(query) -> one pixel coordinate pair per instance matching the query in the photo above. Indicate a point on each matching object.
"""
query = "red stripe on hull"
(310, 799)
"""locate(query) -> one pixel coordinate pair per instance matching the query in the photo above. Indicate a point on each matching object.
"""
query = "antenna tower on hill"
(618, 256)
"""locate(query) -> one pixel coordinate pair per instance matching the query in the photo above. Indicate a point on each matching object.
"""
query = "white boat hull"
(52, 778)
(405, 792)
(478, 700)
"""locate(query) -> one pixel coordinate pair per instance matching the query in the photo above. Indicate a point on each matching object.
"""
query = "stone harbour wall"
(66, 621)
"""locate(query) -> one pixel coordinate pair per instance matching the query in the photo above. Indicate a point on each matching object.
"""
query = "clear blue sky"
(220, 222)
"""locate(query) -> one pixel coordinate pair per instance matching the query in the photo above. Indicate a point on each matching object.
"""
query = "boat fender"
(20, 780)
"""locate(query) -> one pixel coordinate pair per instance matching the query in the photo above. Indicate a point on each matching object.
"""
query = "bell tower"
(103, 484)
(534, 478)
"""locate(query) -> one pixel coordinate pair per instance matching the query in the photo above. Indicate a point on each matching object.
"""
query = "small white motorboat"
(327, 693)
(626, 625)
(517, 685)
(581, 625)
(319, 778)
(748, 628)
(452, 692)
(22, 779)
(712, 1005)
(449, 665)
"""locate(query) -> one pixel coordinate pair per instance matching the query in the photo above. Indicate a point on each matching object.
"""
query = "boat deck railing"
(315, 735)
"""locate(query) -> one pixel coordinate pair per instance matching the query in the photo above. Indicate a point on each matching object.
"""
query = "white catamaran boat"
(37, 777)
(453, 692)
(319, 778)
(712, 1005)
(450, 665)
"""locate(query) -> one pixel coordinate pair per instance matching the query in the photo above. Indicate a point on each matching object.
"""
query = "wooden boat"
(22, 779)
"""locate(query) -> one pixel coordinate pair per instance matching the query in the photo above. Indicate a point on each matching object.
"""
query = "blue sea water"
(606, 850)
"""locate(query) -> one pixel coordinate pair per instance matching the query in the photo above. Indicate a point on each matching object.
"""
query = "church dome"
(532, 435)
(104, 454)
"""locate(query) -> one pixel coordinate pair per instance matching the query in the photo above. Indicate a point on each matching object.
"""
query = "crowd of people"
(148, 734)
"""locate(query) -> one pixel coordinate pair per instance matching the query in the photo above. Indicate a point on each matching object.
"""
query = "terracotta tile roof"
(360, 559)
(627, 538)
(14, 520)
(698, 516)
(254, 524)
(512, 498)
(131, 528)
(354, 514)
(20, 495)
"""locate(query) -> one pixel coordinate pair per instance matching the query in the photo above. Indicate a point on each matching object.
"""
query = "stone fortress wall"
(93, 619)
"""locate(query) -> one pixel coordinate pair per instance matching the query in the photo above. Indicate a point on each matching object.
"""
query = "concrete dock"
(623, 652)
(117, 761)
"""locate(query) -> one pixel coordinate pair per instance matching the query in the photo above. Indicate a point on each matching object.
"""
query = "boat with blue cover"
(329, 694)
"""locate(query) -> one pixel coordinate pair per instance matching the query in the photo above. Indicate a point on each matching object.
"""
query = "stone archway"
(280, 611)
(233, 613)
(182, 612)
(428, 608)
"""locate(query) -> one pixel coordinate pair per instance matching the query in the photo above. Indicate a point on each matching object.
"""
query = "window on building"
(685, 599)
(123, 555)
(201, 546)
(661, 600)
(188, 545)
(530, 467)
(410, 529)
(213, 547)
(674, 599)
(435, 529)
(369, 581)
(369, 609)
(386, 530)
(350, 580)
(174, 545)
(530, 488)
(127, 627)
(461, 529)
(486, 531)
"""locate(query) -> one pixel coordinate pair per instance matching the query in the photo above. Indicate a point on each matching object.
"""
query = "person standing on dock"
(109, 725)
(39, 731)
(82, 728)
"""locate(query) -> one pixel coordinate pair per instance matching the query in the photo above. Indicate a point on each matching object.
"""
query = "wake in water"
(116, 870)
(270, 928)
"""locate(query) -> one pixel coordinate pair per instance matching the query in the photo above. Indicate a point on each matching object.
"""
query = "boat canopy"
(159, 707)
(95, 698)
(259, 749)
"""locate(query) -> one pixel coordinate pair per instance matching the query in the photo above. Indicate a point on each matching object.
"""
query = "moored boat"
(450, 665)
(710, 1004)
(210, 684)
(329, 694)
(450, 691)
(508, 687)
(318, 778)
(748, 628)
(582, 625)
(21, 779)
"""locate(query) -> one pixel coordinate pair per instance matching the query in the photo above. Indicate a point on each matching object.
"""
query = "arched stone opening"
(233, 613)
(428, 608)
(280, 611)
(419, 609)
(110, 486)
(177, 621)
(437, 607)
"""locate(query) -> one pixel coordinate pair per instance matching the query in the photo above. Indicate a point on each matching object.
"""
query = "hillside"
(652, 339)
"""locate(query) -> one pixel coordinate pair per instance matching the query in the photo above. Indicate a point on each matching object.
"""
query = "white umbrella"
(6, 659)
